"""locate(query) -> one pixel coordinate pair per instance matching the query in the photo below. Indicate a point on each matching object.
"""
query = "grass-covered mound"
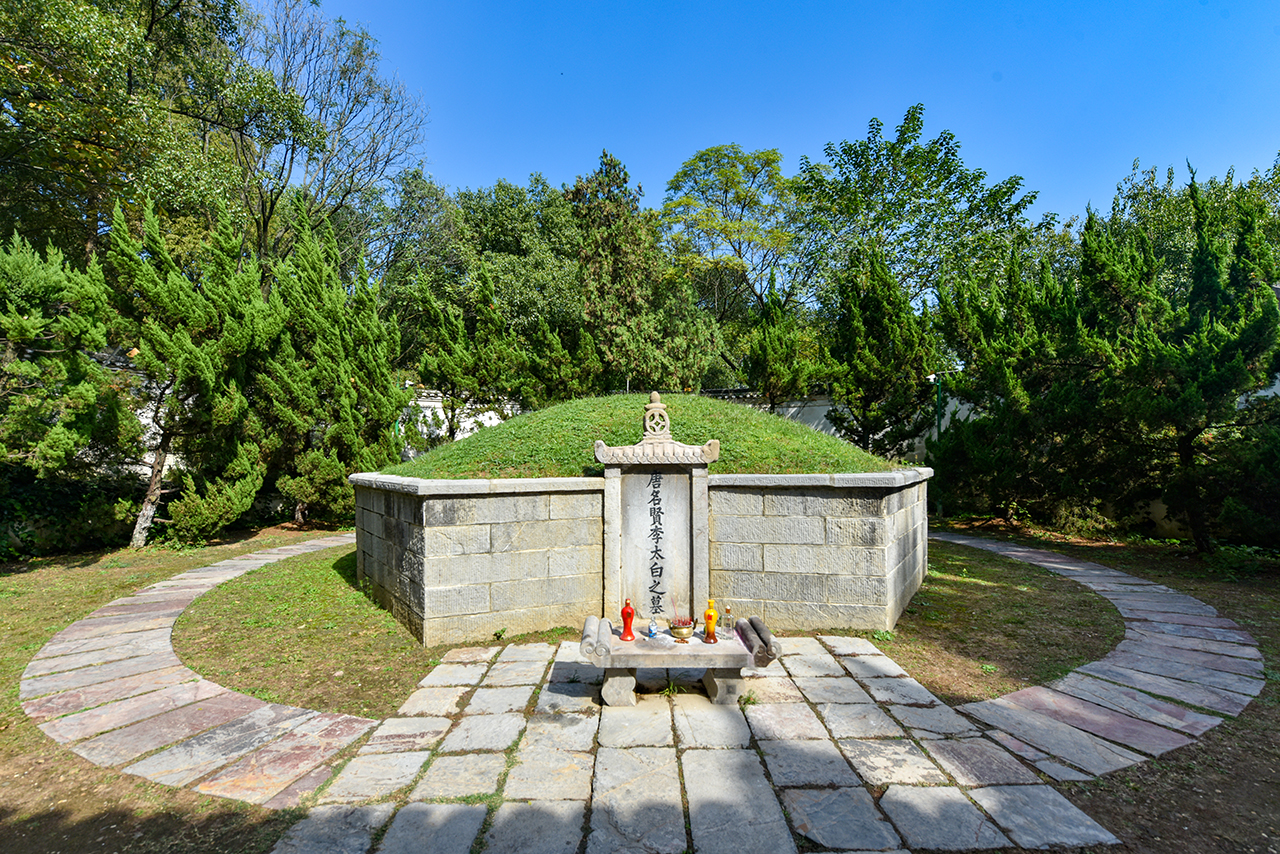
(559, 441)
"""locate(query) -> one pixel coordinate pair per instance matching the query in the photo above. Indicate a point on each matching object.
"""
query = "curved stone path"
(861, 756)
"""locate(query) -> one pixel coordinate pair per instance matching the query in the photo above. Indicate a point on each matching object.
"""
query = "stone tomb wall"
(457, 560)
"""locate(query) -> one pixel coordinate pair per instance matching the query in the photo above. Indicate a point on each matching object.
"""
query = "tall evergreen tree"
(642, 316)
(199, 346)
(882, 349)
(328, 391)
(777, 366)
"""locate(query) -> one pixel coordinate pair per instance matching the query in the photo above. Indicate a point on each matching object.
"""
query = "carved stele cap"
(656, 447)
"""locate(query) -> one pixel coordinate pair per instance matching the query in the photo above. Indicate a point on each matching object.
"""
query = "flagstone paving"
(861, 756)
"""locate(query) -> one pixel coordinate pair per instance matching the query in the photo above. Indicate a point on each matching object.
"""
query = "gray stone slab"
(374, 776)
(858, 721)
(434, 701)
(495, 701)
(1184, 619)
(560, 697)
(903, 691)
(561, 732)
(470, 655)
(1101, 721)
(157, 642)
(452, 828)
(1138, 704)
(400, 735)
(807, 763)
(819, 690)
(812, 665)
(1239, 650)
(192, 759)
(890, 761)
(536, 827)
(550, 775)
(572, 671)
(1175, 689)
(335, 830)
(460, 776)
(484, 732)
(516, 673)
(784, 720)
(1058, 739)
(939, 818)
(940, 720)
(647, 724)
(1016, 746)
(978, 762)
(773, 689)
(1231, 664)
(801, 646)
(871, 666)
(636, 802)
(135, 640)
(1062, 773)
(1039, 817)
(849, 646)
(839, 818)
(703, 724)
(454, 674)
(748, 821)
(1202, 632)
(1173, 603)
(773, 668)
(1206, 676)
(78, 699)
(528, 652)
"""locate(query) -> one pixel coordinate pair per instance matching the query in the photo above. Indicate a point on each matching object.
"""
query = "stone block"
(451, 601)
(854, 590)
(448, 512)
(822, 559)
(736, 502)
(456, 540)
(768, 529)
(819, 615)
(451, 828)
(579, 560)
(792, 587)
(585, 505)
(939, 817)
(856, 532)
(737, 556)
(558, 533)
(511, 508)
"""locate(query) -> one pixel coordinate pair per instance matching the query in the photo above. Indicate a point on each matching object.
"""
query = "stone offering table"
(750, 645)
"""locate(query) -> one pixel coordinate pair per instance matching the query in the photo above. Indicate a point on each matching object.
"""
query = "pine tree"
(776, 365)
(882, 349)
(328, 392)
(199, 345)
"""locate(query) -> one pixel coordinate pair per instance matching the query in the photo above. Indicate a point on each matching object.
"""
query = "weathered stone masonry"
(457, 560)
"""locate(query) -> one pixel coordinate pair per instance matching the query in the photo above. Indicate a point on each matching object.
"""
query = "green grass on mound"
(559, 441)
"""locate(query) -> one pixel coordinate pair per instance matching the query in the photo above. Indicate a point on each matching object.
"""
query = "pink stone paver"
(63, 663)
(92, 628)
(168, 607)
(125, 745)
(58, 649)
(1239, 650)
(85, 676)
(87, 697)
(265, 773)
(1184, 619)
(1231, 664)
(1111, 725)
(124, 712)
(1135, 703)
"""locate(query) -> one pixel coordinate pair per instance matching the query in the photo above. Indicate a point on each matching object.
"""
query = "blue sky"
(1066, 95)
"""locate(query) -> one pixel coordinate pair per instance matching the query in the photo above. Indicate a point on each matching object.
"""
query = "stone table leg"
(724, 685)
(619, 686)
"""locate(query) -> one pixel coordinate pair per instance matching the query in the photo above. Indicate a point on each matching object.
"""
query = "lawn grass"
(559, 441)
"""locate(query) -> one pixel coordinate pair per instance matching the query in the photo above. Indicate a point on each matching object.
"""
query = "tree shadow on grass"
(149, 829)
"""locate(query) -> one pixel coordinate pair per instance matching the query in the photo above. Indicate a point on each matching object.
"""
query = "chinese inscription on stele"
(656, 592)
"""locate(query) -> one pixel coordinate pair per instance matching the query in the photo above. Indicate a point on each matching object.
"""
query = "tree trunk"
(1196, 520)
(152, 499)
(300, 513)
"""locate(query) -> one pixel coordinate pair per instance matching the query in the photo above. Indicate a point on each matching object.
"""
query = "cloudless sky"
(1065, 94)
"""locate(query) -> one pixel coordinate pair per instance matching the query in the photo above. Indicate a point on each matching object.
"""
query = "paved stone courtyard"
(840, 747)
